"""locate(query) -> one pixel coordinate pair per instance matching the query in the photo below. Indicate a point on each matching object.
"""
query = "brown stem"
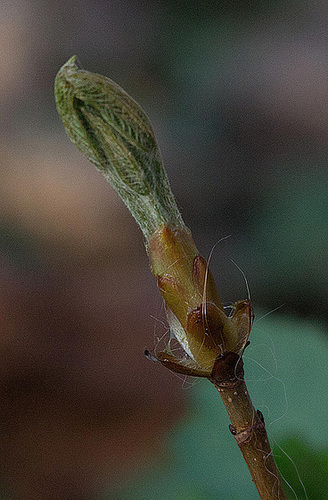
(247, 426)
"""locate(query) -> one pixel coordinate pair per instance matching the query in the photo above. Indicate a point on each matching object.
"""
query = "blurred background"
(237, 93)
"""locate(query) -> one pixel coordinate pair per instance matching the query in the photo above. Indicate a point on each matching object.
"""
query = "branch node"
(228, 370)
(244, 435)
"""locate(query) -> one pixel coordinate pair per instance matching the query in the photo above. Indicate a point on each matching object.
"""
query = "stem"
(248, 429)
(114, 133)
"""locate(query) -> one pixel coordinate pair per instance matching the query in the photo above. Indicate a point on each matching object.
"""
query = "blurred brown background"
(238, 96)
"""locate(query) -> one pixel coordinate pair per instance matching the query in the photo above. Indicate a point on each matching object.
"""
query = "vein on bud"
(113, 132)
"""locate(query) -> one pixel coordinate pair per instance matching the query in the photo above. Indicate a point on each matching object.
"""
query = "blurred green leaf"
(290, 239)
(312, 467)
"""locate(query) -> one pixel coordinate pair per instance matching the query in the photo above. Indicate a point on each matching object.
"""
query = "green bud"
(114, 133)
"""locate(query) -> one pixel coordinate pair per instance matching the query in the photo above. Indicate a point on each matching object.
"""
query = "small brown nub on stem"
(232, 429)
(245, 435)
